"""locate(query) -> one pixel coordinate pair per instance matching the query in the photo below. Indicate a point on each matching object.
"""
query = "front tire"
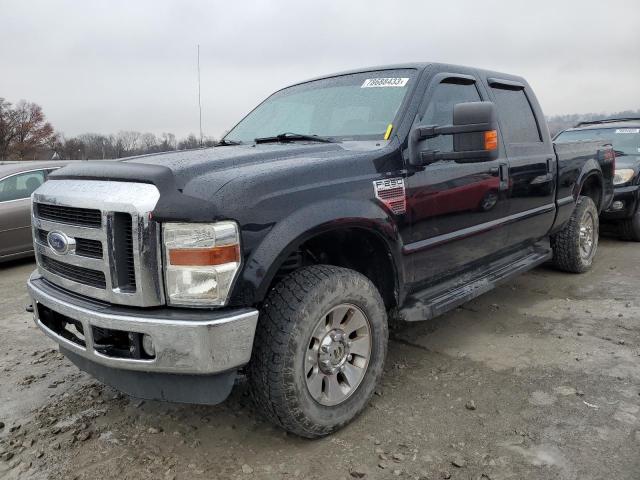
(631, 228)
(575, 246)
(319, 350)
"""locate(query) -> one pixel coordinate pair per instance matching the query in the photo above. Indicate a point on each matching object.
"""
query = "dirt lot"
(538, 379)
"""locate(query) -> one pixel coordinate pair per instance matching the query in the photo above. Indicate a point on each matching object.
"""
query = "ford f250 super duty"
(280, 253)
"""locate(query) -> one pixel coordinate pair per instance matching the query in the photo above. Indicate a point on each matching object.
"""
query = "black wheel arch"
(591, 184)
(332, 219)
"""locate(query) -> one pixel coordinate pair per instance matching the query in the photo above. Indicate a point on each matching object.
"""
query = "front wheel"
(631, 228)
(319, 350)
(575, 246)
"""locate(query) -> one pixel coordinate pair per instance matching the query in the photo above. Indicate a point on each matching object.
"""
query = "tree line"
(25, 134)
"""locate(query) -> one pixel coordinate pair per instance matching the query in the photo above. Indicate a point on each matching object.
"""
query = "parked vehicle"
(280, 252)
(624, 135)
(18, 180)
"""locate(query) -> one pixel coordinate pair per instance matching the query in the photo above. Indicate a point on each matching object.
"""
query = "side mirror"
(475, 136)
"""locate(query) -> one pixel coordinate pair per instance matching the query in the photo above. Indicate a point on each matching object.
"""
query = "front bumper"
(628, 197)
(189, 344)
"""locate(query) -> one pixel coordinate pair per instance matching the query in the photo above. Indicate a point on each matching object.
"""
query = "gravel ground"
(537, 379)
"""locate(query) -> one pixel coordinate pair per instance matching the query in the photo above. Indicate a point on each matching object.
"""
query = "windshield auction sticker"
(628, 130)
(384, 82)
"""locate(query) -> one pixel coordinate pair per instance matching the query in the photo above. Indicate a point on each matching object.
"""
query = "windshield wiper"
(292, 137)
(224, 143)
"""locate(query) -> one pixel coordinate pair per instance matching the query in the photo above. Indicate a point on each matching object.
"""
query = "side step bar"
(435, 301)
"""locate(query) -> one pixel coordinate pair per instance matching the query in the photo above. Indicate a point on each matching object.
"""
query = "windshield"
(349, 107)
(625, 141)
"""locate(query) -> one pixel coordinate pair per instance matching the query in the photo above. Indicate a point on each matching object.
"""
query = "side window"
(440, 110)
(516, 116)
(20, 186)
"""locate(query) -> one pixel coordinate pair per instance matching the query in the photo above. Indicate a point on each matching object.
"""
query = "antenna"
(199, 102)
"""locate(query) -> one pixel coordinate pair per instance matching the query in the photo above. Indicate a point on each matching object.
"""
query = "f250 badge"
(392, 194)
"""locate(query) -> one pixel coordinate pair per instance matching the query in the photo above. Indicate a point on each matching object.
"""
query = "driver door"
(454, 208)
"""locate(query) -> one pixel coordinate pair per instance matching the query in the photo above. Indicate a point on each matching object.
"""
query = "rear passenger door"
(453, 207)
(531, 193)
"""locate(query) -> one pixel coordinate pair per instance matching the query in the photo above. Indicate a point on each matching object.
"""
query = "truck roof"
(608, 122)
(417, 66)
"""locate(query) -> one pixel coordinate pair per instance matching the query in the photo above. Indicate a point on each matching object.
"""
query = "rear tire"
(630, 228)
(575, 246)
(319, 350)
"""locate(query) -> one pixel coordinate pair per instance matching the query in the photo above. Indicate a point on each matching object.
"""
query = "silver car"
(18, 180)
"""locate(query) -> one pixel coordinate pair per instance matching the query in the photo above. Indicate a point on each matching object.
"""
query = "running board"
(434, 301)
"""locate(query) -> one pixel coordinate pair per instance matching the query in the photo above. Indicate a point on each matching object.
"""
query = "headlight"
(201, 262)
(623, 176)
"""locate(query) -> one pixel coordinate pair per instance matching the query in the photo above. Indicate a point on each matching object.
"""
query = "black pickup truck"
(624, 135)
(281, 253)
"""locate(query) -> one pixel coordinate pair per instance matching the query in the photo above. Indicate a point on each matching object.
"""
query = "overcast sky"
(104, 66)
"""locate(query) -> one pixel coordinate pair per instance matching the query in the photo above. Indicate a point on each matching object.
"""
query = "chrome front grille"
(111, 245)
(85, 276)
(83, 217)
(85, 247)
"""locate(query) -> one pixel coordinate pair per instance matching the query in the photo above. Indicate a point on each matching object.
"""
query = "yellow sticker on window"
(387, 134)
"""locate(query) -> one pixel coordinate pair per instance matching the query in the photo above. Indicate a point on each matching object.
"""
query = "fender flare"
(590, 169)
(320, 217)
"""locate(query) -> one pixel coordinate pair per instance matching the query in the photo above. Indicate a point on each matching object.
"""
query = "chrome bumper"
(200, 343)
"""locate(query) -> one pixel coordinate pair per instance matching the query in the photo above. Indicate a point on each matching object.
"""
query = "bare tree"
(32, 131)
(74, 149)
(97, 146)
(149, 143)
(7, 128)
(188, 143)
(128, 141)
(168, 142)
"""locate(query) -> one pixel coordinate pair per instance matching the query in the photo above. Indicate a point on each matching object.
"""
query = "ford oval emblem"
(58, 242)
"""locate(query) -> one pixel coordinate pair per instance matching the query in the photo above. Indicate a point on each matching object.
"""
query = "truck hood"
(232, 162)
(193, 180)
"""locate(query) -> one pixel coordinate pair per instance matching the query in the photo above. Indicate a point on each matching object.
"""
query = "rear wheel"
(319, 350)
(631, 228)
(575, 246)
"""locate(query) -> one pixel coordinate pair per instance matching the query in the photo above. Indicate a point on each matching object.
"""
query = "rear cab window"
(517, 119)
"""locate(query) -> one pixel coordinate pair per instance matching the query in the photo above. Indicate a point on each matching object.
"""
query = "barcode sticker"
(384, 82)
(628, 130)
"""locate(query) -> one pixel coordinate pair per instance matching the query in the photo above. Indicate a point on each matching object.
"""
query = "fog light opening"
(617, 205)
(148, 346)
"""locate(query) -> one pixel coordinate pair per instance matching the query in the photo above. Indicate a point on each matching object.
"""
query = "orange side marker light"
(491, 140)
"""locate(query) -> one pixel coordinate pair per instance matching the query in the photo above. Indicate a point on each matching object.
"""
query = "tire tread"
(271, 393)
(565, 243)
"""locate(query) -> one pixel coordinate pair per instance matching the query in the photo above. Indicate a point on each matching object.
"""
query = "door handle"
(549, 164)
